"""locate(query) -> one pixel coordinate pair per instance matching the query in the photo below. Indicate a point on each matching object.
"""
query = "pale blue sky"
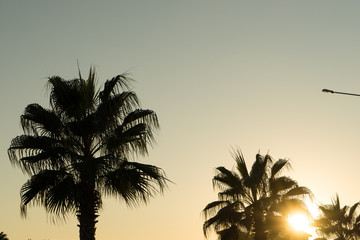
(220, 74)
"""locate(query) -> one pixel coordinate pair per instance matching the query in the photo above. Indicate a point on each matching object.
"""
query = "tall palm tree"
(339, 222)
(3, 236)
(81, 148)
(256, 201)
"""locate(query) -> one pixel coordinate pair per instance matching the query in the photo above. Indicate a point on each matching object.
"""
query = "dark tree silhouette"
(254, 202)
(3, 236)
(80, 149)
(338, 222)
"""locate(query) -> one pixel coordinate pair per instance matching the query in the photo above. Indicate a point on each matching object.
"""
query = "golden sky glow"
(219, 74)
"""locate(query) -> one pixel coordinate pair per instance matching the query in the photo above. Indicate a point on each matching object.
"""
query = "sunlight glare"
(299, 222)
(313, 209)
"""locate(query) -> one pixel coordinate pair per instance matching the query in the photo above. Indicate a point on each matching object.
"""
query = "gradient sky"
(219, 74)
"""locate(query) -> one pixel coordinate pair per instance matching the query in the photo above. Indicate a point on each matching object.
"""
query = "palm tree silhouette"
(3, 236)
(339, 222)
(79, 150)
(253, 204)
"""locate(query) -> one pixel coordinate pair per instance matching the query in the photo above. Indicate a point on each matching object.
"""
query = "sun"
(299, 222)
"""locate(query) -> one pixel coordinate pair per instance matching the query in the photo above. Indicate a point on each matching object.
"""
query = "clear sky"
(219, 74)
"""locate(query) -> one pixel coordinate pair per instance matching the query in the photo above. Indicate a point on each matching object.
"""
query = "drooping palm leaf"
(224, 218)
(213, 207)
(112, 86)
(34, 153)
(278, 166)
(281, 183)
(135, 183)
(39, 189)
(39, 121)
(225, 178)
(299, 192)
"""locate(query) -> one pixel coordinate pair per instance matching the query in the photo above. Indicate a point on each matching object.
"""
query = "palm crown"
(340, 222)
(253, 204)
(79, 149)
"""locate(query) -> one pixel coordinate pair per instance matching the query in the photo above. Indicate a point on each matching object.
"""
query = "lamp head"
(327, 91)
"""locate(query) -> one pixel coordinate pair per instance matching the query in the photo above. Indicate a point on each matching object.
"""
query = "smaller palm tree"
(3, 236)
(255, 201)
(338, 222)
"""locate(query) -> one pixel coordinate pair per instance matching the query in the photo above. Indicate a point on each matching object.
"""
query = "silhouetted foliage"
(338, 222)
(254, 204)
(79, 150)
(3, 236)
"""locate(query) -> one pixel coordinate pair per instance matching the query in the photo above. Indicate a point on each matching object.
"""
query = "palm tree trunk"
(87, 213)
(259, 226)
(87, 226)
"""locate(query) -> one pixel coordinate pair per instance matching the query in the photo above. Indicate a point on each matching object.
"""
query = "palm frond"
(281, 184)
(213, 207)
(133, 140)
(135, 183)
(141, 116)
(351, 216)
(61, 198)
(88, 89)
(35, 190)
(39, 121)
(258, 171)
(34, 153)
(156, 174)
(299, 192)
(112, 86)
(113, 110)
(85, 127)
(234, 194)
(225, 179)
(240, 163)
(65, 96)
(224, 218)
(3, 236)
(336, 202)
(357, 220)
(278, 166)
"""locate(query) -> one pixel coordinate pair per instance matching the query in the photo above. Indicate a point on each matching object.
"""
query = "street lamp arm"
(331, 91)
